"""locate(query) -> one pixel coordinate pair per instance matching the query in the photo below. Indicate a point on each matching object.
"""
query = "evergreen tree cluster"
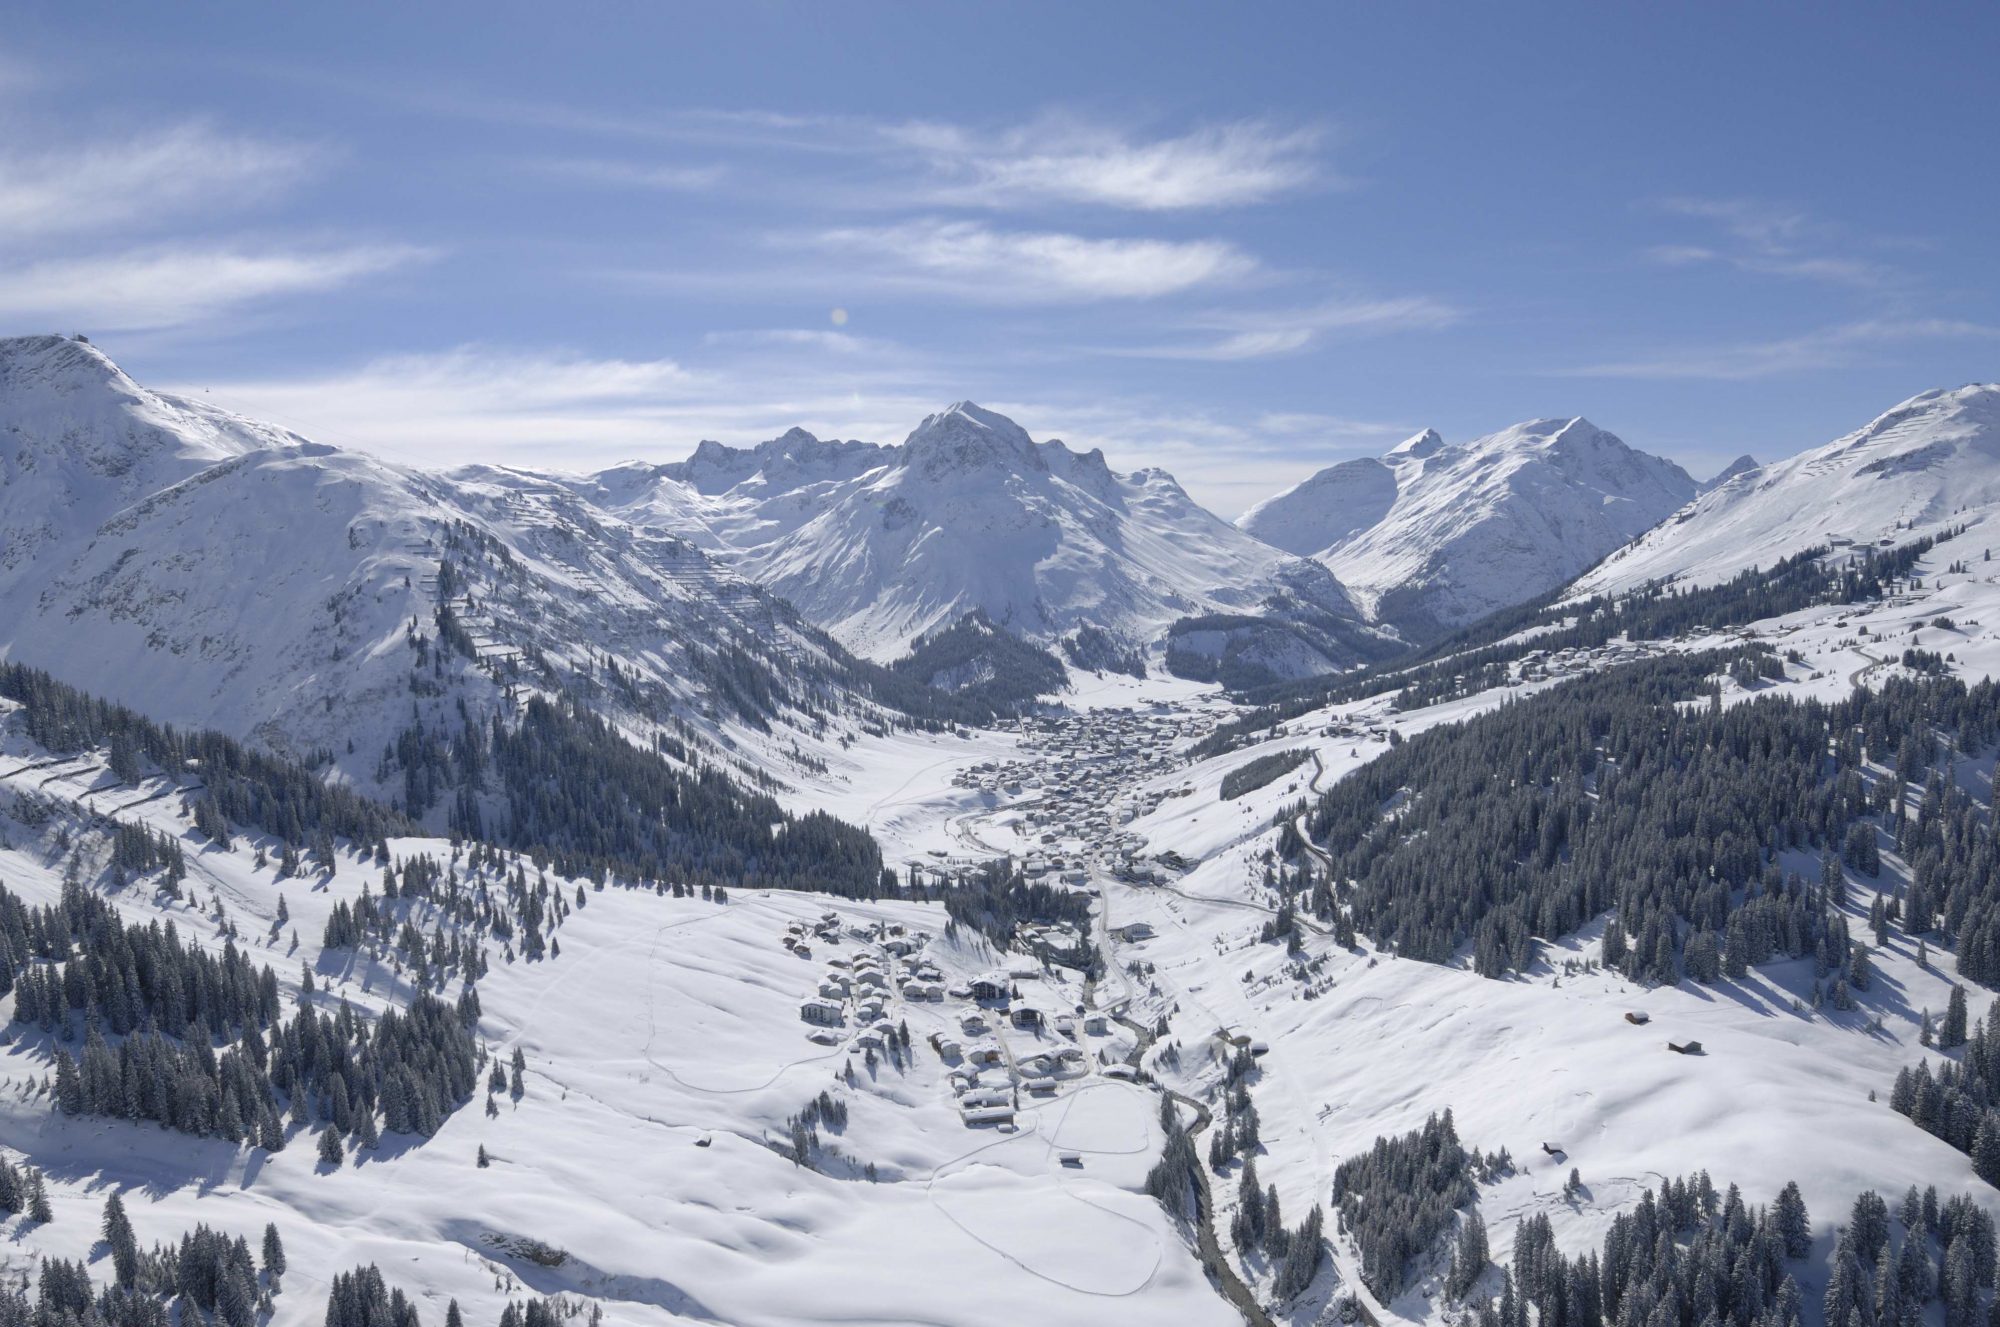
(1240, 1134)
(238, 785)
(1613, 792)
(411, 1068)
(1478, 655)
(971, 672)
(829, 1112)
(1252, 775)
(1960, 1102)
(136, 850)
(24, 1188)
(1176, 1180)
(205, 1270)
(77, 958)
(565, 784)
(534, 1313)
(1947, 1253)
(437, 920)
(1683, 1257)
(360, 1298)
(997, 900)
(1095, 650)
(1396, 1200)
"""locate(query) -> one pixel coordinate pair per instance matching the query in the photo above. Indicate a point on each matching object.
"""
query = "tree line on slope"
(206, 1276)
(1480, 652)
(171, 1006)
(562, 783)
(1684, 1255)
(574, 790)
(1634, 790)
(1269, 768)
(239, 785)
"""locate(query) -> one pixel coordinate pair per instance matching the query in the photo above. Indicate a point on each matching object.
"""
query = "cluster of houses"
(997, 1044)
(982, 1078)
(1088, 754)
(857, 988)
(1540, 665)
(1087, 768)
(1350, 728)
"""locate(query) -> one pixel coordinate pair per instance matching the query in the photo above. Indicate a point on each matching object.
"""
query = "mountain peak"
(62, 362)
(1427, 443)
(1926, 464)
(965, 436)
(1742, 465)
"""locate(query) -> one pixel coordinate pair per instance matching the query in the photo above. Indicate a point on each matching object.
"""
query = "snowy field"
(665, 1054)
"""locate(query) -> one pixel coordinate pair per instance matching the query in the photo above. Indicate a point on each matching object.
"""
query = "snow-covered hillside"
(641, 1160)
(1930, 462)
(209, 570)
(981, 1100)
(1434, 536)
(880, 544)
(1741, 465)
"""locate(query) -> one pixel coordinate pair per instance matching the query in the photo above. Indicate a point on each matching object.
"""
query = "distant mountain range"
(207, 569)
(880, 544)
(211, 569)
(1432, 536)
(1932, 461)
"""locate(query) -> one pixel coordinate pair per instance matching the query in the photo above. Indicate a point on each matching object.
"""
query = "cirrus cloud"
(139, 179)
(158, 288)
(973, 261)
(1064, 160)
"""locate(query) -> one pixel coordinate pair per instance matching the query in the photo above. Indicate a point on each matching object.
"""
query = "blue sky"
(1237, 241)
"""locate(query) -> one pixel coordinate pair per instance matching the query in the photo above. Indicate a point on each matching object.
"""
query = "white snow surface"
(212, 571)
(665, 1055)
(188, 561)
(879, 544)
(1432, 535)
(1930, 462)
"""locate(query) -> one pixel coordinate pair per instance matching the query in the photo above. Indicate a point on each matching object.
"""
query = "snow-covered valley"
(637, 952)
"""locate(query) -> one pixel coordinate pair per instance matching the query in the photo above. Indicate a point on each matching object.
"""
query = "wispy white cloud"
(1064, 159)
(1769, 240)
(1242, 334)
(104, 185)
(972, 261)
(1291, 424)
(1824, 348)
(839, 343)
(1759, 224)
(579, 413)
(656, 176)
(1678, 254)
(1057, 157)
(158, 288)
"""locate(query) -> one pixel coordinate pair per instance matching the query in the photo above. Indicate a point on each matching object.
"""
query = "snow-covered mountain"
(1934, 460)
(1432, 536)
(880, 544)
(210, 570)
(1742, 465)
